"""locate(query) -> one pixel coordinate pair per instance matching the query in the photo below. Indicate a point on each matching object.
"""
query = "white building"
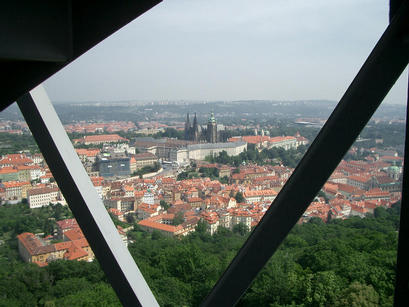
(259, 196)
(36, 173)
(42, 197)
(201, 151)
(241, 216)
(148, 198)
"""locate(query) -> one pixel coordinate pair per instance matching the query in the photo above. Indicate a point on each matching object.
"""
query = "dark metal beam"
(83, 200)
(402, 265)
(394, 7)
(92, 21)
(374, 80)
(36, 30)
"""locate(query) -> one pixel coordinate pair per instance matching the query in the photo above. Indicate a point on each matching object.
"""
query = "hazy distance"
(231, 50)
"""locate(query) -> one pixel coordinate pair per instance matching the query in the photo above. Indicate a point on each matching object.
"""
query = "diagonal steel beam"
(87, 207)
(374, 80)
(401, 297)
(90, 22)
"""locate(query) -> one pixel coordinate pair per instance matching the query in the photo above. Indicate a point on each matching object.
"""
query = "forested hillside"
(337, 264)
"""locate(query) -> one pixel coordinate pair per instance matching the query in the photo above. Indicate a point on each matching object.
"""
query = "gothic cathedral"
(195, 133)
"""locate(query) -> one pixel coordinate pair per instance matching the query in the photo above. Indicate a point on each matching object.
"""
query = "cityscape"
(170, 179)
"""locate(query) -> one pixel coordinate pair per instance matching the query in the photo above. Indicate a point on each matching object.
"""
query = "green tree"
(164, 205)
(201, 227)
(182, 176)
(380, 212)
(179, 218)
(239, 197)
(211, 172)
(325, 289)
(241, 229)
(156, 235)
(357, 294)
(48, 227)
(130, 218)
(100, 294)
(224, 180)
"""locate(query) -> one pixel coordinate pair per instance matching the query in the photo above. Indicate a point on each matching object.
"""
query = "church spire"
(187, 127)
(195, 122)
(195, 129)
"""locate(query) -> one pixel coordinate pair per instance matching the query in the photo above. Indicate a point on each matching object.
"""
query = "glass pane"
(189, 121)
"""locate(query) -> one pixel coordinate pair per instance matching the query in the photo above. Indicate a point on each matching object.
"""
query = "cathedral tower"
(212, 129)
(187, 128)
(195, 132)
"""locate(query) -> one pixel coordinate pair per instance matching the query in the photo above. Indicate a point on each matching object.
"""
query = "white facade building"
(148, 198)
(42, 197)
(36, 173)
(201, 151)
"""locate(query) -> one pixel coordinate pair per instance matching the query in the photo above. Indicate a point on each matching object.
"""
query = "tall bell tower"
(212, 129)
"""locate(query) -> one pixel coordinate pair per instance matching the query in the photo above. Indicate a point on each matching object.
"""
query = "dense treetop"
(343, 263)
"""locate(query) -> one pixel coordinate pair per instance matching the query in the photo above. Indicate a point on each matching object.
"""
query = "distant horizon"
(192, 102)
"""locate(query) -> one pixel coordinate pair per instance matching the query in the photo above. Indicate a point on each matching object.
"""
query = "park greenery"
(15, 143)
(342, 263)
(189, 173)
(147, 169)
(170, 133)
(209, 172)
(204, 172)
(392, 135)
(19, 218)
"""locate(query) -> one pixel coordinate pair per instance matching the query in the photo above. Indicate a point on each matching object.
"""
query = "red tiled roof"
(155, 225)
(13, 184)
(8, 170)
(360, 178)
(67, 224)
(145, 156)
(88, 152)
(102, 138)
(75, 252)
(377, 193)
(115, 211)
(259, 193)
(15, 159)
(194, 199)
(33, 245)
(74, 234)
(42, 191)
(97, 181)
(384, 179)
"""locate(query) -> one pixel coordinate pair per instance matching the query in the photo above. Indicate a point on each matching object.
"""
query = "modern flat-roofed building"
(113, 165)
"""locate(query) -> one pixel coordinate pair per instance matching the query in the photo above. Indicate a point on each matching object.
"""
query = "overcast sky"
(230, 50)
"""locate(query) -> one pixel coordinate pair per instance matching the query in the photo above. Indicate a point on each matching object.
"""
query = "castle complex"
(196, 133)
